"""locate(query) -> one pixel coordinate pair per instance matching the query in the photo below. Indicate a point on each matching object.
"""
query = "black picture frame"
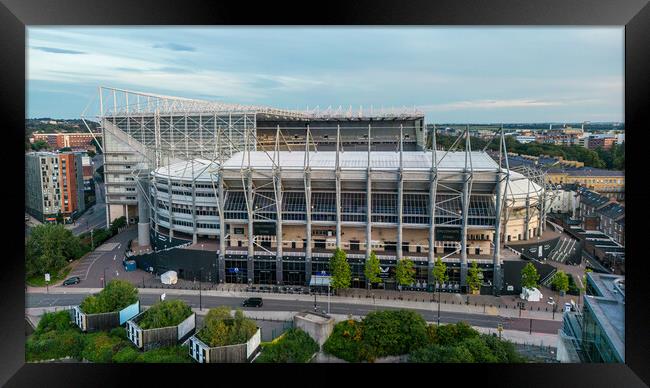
(15, 15)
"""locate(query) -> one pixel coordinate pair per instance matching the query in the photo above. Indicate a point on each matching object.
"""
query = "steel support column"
(432, 209)
(278, 224)
(221, 261)
(338, 188)
(251, 237)
(400, 195)
(369, 200)
(307, 181)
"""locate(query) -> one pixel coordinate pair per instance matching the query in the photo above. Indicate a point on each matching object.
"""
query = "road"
(94, 217)
(107, 256)
(521, 324)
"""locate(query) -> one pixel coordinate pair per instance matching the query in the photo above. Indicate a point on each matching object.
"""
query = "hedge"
(296, 346)
(164, 314)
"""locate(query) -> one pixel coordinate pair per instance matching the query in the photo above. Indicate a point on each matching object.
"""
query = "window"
(238, 231)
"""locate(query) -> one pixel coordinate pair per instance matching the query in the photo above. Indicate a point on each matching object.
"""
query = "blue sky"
(453, 74)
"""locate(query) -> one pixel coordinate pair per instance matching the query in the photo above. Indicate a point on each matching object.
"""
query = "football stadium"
(268, 194)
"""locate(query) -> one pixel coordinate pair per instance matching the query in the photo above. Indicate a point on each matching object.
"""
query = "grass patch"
(39, 281)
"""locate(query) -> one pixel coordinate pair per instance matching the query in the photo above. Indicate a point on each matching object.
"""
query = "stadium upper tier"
(292, 164)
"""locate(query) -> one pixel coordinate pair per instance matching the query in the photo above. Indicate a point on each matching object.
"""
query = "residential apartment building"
(606, 182)
(53, 184)
(81, 140)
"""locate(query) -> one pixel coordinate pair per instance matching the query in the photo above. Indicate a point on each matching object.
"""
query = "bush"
(100, 347)
(54, 321)
(127, 354)
(345, 342)
(164, 314)
(220, 329)
(296, 346)
(437, 353)
(117, 295)
(461, 343)
(391, 333)
(54, 344)
(169, 354)
(380, 334)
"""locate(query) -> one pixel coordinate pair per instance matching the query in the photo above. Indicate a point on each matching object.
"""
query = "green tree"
(473, 280)
(117, 224)
(48, 249)
(39, 145)
(529, 276)
(340, 268)
(372, 269)
(114, 297)
(560, 281)
(440, 271)
(91, 153)
(404, 272)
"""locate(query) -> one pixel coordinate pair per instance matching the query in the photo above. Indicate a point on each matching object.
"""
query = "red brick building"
(61, 140)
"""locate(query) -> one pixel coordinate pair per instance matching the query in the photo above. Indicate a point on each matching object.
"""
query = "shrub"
(345, 341)
(54, 321)
(169, 354)
(54, 344)
(101, 346)
(164, 314)
(391, 333)
(127, 354)
(451, 334)
(220, 329)
(114, 297)
(296, 346)
(437, 353)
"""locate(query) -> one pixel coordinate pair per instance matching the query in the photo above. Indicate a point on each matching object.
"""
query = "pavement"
(94, 217)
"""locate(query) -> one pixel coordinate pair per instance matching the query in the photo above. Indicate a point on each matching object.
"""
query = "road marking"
(107, 247)
(90, 266)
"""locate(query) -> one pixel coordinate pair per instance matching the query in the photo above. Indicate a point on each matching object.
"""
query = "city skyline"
(452, 74)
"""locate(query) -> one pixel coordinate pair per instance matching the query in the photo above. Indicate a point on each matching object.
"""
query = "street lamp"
(200, 278)
(328, 298)
(105, 276)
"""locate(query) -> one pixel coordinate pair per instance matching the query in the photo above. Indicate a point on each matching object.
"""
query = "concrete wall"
(319, 331)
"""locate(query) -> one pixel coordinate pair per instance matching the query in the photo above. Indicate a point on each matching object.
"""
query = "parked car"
(252, 302)
(71, 281)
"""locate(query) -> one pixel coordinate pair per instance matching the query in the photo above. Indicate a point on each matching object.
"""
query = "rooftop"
(609, 307)
(453, 161)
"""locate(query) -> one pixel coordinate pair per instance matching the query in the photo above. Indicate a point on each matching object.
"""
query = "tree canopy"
(473, 279)
(372, 270)
(529, 276)
(48, 249)
(440, 271)
(220, 329)
(114, 297)
(560, 281)
(341, 273)
(404, 272)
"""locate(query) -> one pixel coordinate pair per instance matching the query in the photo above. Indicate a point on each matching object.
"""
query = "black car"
(252, 302)
(71, 281)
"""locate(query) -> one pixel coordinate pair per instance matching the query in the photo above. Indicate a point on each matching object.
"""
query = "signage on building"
(448, 234)
(264, 229)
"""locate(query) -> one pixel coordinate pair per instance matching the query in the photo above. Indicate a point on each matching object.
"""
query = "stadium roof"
(453, 161)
